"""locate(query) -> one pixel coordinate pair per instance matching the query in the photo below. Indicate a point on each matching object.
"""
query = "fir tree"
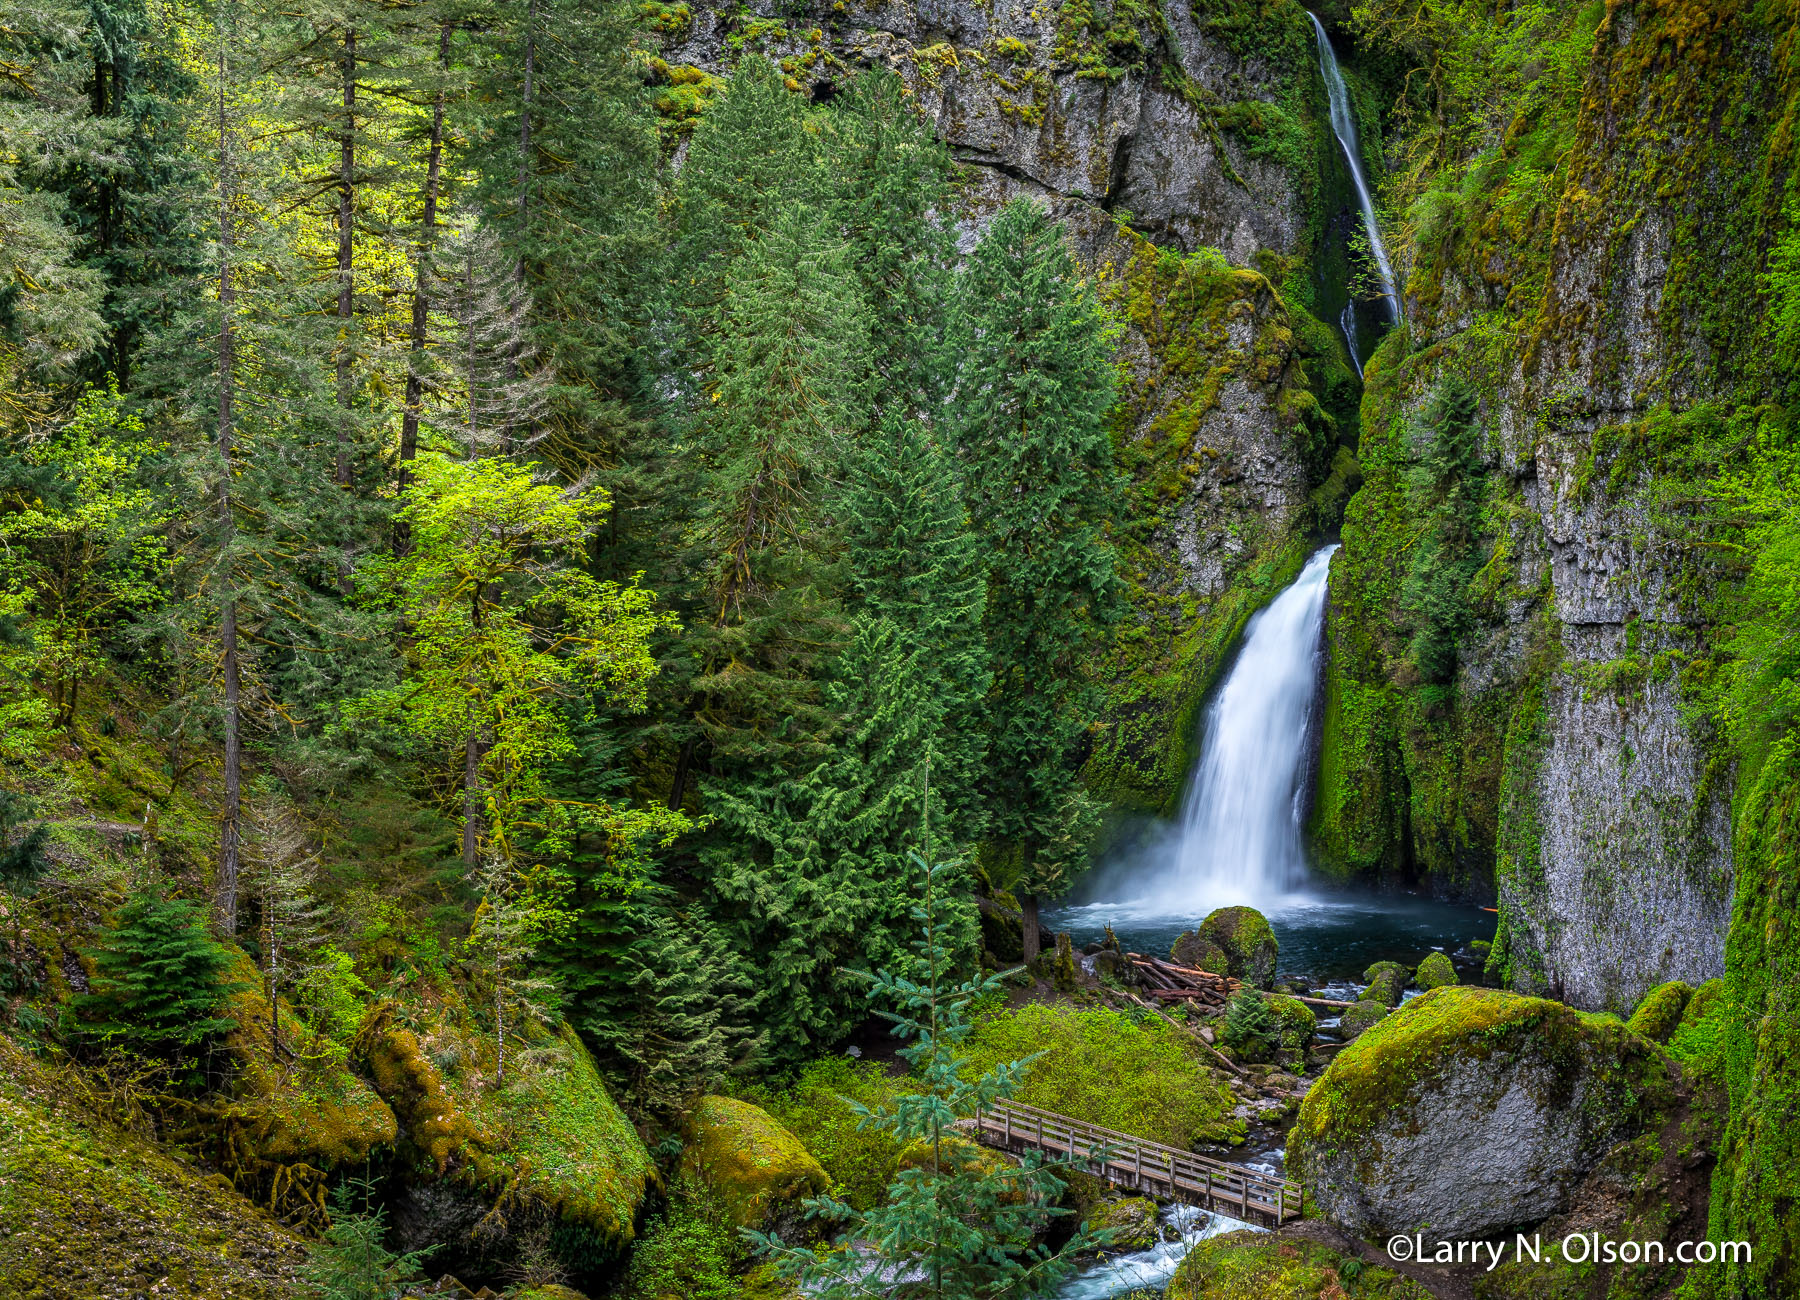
(351, 1261)
(159, 979)
(1029, 418)
(957, 1228)
(22, 846)
(284, 872)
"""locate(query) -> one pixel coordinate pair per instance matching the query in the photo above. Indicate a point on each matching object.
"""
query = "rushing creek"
(1239, 839)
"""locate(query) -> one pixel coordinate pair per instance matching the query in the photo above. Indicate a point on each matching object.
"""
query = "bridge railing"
(1134, 1162)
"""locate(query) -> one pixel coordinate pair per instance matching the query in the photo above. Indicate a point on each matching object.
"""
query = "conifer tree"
(285, 871)
(159, 979)
(958, 1228)
(1028, 417)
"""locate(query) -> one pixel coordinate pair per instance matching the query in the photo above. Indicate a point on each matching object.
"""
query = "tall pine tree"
(1028, 417)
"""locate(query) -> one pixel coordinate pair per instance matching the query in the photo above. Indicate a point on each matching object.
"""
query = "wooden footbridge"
(1131, 1162)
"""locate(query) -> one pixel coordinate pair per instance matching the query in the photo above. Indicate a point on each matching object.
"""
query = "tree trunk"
(421, 305)
(471, 799)
(226, 889)
(1028, 907)
(346, 223)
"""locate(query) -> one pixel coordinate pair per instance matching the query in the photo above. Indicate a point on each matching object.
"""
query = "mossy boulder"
(1435, 972)
(1243, 934)
(1473, 1112)
(1295, 1022)
(1197, 952)
(1263, 1266)
(549, 1130)
(1130, 1224)
(756, 1167)
(1659, 1014)
(1365, 1012)
(1387, 981)
(305, 1107)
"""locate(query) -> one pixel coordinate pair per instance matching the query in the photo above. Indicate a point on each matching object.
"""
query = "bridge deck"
(1134, 1163)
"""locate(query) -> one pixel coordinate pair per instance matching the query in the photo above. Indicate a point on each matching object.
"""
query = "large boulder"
(1294, 1022)
(1130, 1224)
(756, 1167)
(1249, 1265)
(1244, 936)
(1472, 1112)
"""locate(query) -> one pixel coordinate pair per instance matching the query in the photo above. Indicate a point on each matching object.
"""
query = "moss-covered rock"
(1260, 1266)
(1244, 936)
(1365, 1012)
(1659, 1014)
(1473, 1112)
(1130, 1224)
(1387, 982)
(1197, 952)
(1295, 1022)
(551, 1132)
(93, 1211)
(1435, 972)
(754, 1165)
(306, 1107)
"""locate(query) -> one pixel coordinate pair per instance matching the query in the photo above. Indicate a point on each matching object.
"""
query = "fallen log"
(1320, 1002)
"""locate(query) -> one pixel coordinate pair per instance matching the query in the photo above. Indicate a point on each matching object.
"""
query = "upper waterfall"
(1343, 126)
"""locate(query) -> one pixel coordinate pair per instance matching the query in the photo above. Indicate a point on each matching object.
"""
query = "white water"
(1117, 1275)
(1343, 126)
(1238, 839)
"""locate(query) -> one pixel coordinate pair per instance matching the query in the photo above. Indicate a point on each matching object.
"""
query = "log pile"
(1166, 982)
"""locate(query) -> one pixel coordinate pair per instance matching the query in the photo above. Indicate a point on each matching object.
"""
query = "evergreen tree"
(284, 874)
(22, 847)
(1028, 417)
(914, 563)
(958, 1228)
(159, 979)
(352, 1261)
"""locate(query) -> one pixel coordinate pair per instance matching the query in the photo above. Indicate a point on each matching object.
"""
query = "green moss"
(1295, 1022)
(95, 1211)
(754, 1165)
(1244, 935)
(816, 1108)
(1196, 951)
(1257, 1266)
(550, 1132)
(1659, 1014)
(1435, 972)
(1387, 981)
(1355, 1019)
(1129, 1224)
(1105, 1068)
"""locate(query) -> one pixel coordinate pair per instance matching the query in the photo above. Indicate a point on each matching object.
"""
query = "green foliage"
(1250, 1028)
(1033, 389)
(691, 1250)
(22, 858)
(1448, 485)
(1105, 1068)
(159, 980)
(964, 1227)
(824, 1107)
(351, 1261)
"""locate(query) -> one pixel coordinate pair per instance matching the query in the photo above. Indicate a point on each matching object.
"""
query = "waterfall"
(1343, 126)
(1239, 838)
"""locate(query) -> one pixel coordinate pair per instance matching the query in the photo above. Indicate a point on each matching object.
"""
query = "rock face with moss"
(1357, 1018)
(1130, 1224)
(1243, 934)
(1261, 1266)
(756, 1167)
(1387, 982)
(1435, 972)
(1472, 1112)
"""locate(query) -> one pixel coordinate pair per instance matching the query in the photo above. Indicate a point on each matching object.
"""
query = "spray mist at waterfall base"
(1240, 837)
